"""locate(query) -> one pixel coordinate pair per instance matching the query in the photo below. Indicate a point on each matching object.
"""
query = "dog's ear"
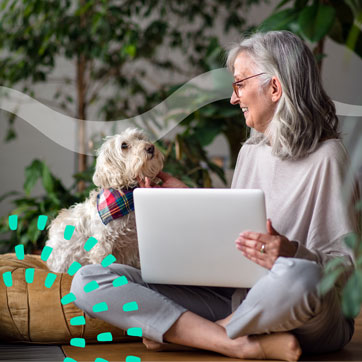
(109, 166)
(108, 173)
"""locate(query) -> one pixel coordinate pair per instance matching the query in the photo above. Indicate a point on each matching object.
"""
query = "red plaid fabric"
(113, 204)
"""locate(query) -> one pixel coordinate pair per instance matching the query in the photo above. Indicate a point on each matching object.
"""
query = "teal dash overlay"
(74, 267)
(105, 337)
(50, 280)
(133, 359)
(100, 307)
(108, 260)
(47, 250)
(13, 222)
(90, 243)
(129, 307)
(68, 232)
(77, 321)
(136, 332)
(29, 275)
(42, 221)
(69, 298)
(19, 251)
(68, 359)
(122, 280)
(100, 360)
(77, 342)
(8, 280)
(93, 285)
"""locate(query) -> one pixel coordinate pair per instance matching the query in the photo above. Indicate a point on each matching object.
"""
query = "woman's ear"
(275, 89)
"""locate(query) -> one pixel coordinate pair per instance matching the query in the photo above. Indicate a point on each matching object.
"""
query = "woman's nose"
(234, 99)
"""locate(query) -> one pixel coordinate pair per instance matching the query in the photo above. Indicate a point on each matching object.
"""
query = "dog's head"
(125, 157)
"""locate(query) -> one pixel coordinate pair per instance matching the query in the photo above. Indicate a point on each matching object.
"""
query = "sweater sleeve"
(334, 215)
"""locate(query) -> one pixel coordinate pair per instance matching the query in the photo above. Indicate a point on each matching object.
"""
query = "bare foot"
(279, 346)
(152, 345)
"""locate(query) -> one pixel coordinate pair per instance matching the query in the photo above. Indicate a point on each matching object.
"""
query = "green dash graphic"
(77, 321)
(19, 251)
(90, 243)
(136, 332)
(42, 221)
(8, 280)
(105, 337)
(93, 285)
(100, 307)
(108, 260)
(69, 298)
(68, 232)
(77, 342)
(74, 267)
(131, 306)
(13, 222)
(50, 280)
(29, 275)
(122, 280)
(47, 250)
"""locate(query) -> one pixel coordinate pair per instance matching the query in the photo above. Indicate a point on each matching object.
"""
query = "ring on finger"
(262, 249)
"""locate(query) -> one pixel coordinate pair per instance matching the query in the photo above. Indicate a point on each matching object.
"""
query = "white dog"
(121, 161)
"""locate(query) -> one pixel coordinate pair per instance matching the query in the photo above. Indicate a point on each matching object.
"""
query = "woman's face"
(258, 104)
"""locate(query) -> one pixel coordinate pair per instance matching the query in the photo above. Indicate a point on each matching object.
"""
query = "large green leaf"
(205, 135)
(329, 280)
(32, 174)
(352, 295)
(279, 21)
(351, 240)
(281, 4)
(47, 179)
(316, 20)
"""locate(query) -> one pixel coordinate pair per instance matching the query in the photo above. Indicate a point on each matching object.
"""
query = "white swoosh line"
(344, 109)
(157, 122)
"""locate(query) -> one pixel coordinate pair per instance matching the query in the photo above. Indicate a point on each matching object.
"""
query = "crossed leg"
(194, 331)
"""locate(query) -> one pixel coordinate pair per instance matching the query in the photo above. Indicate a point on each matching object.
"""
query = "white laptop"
(187, 236)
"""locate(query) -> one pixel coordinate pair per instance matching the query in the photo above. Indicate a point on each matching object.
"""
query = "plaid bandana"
(113, 204)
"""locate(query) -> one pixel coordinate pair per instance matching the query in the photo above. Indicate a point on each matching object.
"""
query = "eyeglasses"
(236, 85)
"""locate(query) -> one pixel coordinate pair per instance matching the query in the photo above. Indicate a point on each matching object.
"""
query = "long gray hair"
(304, 114)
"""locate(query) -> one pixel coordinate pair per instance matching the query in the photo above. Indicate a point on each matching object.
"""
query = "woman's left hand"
(264, 249)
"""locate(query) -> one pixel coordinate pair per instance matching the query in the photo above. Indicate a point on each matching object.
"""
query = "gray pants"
(285, 299)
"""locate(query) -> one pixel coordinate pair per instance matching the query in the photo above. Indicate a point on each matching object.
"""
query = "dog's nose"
(150, 149)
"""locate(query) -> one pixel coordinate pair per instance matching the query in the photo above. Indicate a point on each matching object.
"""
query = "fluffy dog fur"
(121, 160)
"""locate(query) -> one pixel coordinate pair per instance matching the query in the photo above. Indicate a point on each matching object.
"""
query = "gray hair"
(305, 114)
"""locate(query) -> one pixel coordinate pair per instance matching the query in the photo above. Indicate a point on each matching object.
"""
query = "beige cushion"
(33, 313)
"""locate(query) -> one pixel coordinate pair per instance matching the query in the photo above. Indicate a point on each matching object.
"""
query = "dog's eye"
(124, 146)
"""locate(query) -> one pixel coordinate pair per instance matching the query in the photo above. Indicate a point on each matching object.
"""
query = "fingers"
(141, 182)
(252, 251)
(146, 183)
(163, 175)
(259, 248)
(252, 235)
(247, 243)
(270, 228)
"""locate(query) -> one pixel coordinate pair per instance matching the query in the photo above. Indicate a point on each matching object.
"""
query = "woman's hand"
(168, 181)
(264, 249)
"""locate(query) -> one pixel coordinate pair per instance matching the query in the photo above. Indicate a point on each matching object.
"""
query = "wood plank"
(119, 351)
(31, 353)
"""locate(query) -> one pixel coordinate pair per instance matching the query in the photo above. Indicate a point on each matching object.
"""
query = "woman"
(295, 156)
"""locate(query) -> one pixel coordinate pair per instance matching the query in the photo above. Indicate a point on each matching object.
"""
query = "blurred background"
(110, 60)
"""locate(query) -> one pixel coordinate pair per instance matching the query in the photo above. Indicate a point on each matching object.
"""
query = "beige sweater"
(304, 197)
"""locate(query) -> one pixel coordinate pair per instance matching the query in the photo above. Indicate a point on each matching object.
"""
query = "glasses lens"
(235, 87)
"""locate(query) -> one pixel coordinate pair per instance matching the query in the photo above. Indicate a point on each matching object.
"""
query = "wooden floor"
(30, 353)
(119, 352)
